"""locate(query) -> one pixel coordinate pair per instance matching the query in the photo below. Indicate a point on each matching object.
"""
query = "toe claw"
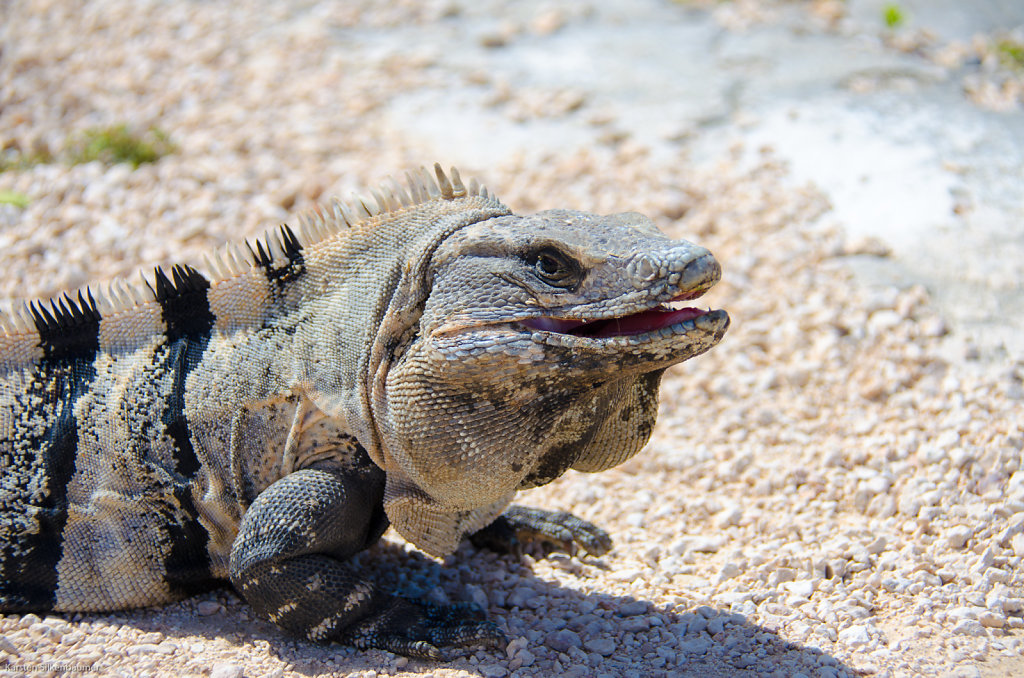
(554, 530)
(426, 631)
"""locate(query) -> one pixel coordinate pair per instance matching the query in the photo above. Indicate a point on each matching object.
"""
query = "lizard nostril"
(705, 270)
(682, 258)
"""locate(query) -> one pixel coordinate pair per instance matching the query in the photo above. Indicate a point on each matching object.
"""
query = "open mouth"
(643, 322)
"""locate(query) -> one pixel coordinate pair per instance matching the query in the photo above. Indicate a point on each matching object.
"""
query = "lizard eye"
(555, 268)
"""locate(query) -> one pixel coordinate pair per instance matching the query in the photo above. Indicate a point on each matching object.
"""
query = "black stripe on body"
(287, 272)
(188, 562)
(69, 337)
(189, 323)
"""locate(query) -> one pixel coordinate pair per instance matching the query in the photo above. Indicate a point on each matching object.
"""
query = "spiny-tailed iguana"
(411, 360)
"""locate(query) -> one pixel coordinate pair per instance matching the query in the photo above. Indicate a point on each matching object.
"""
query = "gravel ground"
(824, 495)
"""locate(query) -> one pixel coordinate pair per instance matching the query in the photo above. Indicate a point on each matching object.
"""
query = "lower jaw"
(700, 333)
(484, 350)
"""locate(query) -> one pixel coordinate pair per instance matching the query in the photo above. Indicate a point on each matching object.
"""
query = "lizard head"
(579, 293)
(540, 348)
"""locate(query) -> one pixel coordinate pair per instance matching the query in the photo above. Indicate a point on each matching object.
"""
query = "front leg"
(289, 562)
(554, 530)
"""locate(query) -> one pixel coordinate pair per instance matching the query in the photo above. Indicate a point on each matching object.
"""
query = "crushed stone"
(824, 494)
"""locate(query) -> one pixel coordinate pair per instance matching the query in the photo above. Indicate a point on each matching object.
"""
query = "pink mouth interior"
(643, 322)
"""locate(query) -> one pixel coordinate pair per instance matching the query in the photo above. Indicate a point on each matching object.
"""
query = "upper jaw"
(664, 316)
(648, 320)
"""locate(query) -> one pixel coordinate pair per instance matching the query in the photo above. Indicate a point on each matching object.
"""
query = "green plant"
(14, 198)
(893, 15)
(1010, 53)
(116, 144)
(11, 159)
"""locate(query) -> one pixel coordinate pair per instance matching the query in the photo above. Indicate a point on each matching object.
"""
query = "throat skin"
(527, 431)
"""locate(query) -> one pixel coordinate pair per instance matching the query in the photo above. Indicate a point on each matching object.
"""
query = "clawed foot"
(423, 630)
(554, 530)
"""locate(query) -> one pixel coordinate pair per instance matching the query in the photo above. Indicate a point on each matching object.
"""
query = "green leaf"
(14, 198)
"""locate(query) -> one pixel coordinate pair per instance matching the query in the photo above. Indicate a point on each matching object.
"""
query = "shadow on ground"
(568, 632)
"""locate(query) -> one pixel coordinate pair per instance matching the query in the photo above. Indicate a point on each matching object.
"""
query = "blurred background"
(837, 489)
(906, 115)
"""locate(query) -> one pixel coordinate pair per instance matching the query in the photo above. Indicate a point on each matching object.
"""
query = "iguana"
(410, 360)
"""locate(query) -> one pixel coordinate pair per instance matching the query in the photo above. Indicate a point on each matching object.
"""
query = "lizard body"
(409, 360)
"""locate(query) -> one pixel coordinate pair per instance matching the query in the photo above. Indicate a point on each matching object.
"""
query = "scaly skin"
(412, 360)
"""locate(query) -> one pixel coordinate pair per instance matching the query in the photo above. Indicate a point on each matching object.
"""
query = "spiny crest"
(283, 242)
(187, 280)
(64, 313)
(54, 317)
(389, 197)
(278, 252)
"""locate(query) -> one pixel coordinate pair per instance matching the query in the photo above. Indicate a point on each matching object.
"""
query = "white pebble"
(969, 627)
(602, 646)
(729, 570)
(635, 624)
(521, 597)
(7, 646)
(729, 517)
(226, 670)
(515, 645)
(696, 647)
(799, 631)
(679, 547)
(958, 535)
(990, 619)
(627, 575)
(985, 560)
(632, 608)
(525, 657)
(205, 608)
(803, 588)
(635, 519)
(561, 641)
(1014, 528)
(477, 595)
(855, 636)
